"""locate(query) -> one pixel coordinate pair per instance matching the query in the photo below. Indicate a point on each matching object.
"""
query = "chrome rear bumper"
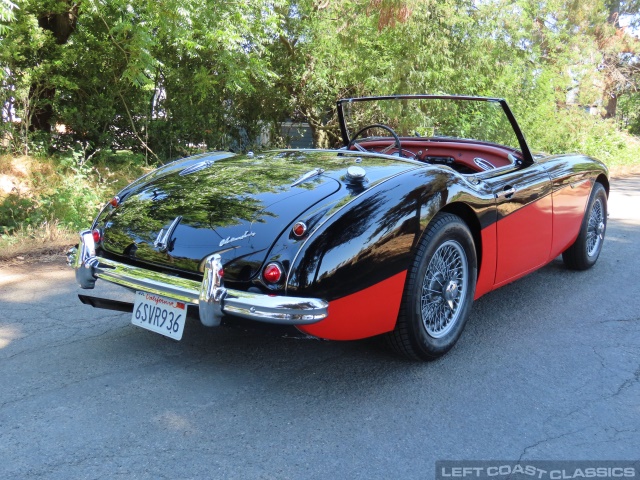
(212, 298)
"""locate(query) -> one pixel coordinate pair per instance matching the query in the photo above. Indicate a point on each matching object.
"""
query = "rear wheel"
(585, 251)
(438, 292)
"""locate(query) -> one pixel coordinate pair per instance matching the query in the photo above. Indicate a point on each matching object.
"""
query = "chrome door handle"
(506, 193)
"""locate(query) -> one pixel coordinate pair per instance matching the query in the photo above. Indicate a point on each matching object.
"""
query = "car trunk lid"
(235, 206)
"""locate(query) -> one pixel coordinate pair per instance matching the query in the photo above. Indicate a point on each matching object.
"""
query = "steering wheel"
(359, 147)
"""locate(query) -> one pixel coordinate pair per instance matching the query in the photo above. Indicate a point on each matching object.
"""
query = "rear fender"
(373, 237)
(358, 258)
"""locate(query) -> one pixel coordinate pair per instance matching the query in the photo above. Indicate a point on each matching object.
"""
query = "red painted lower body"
(363, 314)
(487, 267)
(526, 238)
(516, 245)
(569, 206)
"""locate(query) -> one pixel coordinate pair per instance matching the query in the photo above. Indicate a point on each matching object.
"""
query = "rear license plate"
(159, 314)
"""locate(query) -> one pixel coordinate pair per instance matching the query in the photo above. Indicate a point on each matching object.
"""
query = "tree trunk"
(62, 26)
(320, 137)
(42, 101)
(611, 106)
(614, 13)
(610, 60)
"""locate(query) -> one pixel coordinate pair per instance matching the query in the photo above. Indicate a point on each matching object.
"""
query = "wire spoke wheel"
(595, 228)
(439, 290)
(584, 252)
(443, 288)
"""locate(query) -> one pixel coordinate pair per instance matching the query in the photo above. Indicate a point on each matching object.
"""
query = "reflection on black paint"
(226, 200)
(375, 238)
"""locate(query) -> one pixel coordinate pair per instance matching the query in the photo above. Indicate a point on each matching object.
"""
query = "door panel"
(524, 228)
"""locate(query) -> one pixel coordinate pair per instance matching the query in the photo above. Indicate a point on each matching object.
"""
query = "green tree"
(168, 77)
(153, 73)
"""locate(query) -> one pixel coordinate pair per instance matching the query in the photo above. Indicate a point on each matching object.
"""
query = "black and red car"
(432, 202)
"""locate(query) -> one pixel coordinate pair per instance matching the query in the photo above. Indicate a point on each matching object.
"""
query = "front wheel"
(438, 292)
(584, 252)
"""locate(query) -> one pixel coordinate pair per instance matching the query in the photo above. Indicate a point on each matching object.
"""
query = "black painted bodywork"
(359, 232)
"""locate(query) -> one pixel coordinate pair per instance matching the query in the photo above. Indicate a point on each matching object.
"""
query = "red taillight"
(115, 201)
(221, 273)
(272, 273)
(299, 229)
(97, 236)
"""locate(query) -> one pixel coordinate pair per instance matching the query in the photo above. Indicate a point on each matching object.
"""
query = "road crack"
(627, 383)
(547, 440)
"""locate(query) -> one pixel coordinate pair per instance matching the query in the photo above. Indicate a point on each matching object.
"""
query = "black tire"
(584, 252)
(441, 283)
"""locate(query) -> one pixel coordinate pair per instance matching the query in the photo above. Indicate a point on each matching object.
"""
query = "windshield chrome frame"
(524, 148)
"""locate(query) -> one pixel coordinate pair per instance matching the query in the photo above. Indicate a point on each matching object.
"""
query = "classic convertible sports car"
(433, 201)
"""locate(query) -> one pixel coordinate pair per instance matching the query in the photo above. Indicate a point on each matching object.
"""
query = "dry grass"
(15, 175)
(622, 171)
(31, 178)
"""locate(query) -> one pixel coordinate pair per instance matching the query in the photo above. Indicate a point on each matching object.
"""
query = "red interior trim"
(462, 152)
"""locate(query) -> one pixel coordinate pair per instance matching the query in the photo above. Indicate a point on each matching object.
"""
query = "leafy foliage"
(66, 190)
(166, 78)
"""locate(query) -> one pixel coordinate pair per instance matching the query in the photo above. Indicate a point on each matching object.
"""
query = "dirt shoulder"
(45, 255)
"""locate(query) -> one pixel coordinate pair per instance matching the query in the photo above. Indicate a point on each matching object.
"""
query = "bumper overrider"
(210, 295)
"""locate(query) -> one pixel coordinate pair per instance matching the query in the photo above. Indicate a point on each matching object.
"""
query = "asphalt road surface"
(547, 368)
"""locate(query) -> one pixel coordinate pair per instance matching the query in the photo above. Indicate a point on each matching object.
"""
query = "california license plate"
(159, 314)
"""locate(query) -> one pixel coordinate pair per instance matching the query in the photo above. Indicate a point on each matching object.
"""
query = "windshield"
(457, 118)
